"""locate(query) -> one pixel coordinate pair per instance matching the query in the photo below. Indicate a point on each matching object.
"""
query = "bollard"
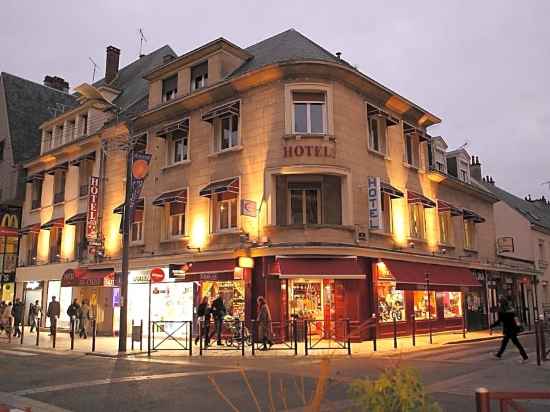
(38, 332)
(241, 323)
(394, 333)
(132, 335)
(190, 338)
(348, 333)
(54, 330)
(94, 333)
(305, 336)
(463, 325)
(295, 332)
(542, 341)
(149, 328)
(141, 335)
(413, 329)
(22, 331)
(537, 342)
(72, 326)
(483, 400)
(253, 337)
(430, 330)
(201, 336)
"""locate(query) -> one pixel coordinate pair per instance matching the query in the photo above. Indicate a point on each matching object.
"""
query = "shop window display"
(391, 303)
(452, 304)
(306, 299)
(421, 305)
(233, 295)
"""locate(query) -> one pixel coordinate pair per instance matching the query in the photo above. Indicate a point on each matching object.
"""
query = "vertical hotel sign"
(375, 204)
(92, 231)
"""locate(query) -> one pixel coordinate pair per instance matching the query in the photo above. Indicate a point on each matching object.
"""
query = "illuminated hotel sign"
(91, 218)
(303, 150)
(375, 204)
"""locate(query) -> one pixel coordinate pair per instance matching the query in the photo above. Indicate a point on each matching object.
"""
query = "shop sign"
(505, 244)
(10, 218)
(375, 203)
(248, 208)
(300, 150)
(92, 215)
(32, 285)
(7, 277)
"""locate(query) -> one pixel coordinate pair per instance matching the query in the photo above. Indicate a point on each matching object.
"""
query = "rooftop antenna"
(466, 143)
(142, 39)
(547, 183)
(95, 66)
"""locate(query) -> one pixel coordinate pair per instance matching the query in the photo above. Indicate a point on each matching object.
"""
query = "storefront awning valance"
(61, 167)
(58, 222)
(35, 228)
(79, 160)
(182, 125)
(175, 196)
(206, 270)
(410, 130)
(229, 185)
(8, 231)
(37, 177)
(469, 215)
(291, 267)
(373, 111)
(87, 277)
(443, 207)
(413, 197)
(76, 219)
(140, 205)
(440, 276)
(391, 191)
(223, 110)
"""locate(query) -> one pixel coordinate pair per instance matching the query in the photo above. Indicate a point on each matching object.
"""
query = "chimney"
(168, 58)
(57, 83)
(339, 55)
(475, 169)
(111, 63)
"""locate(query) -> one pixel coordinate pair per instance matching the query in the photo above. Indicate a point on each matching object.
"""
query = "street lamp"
(429, 305)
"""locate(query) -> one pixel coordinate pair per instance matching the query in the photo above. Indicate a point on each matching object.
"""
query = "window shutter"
(281, 200)
(332, 200)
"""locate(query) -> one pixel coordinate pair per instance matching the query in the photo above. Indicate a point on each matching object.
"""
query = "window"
(542, 251)
(199, 76)
(58, 135)
(177, 219)
(445, 228)
(309, 113)
(59, 186)
(2, 143)
(55, 244)
(84, 125)
(377, 134)
(84, 172)
(391, 303)
(452, 304)
(412, 154)
(80, 242)
(227, 132)
(422, 308)
(226, 211)
(440, 161)
(32, 251)
(71, 130)
(136, 230)
(469, 234)
(464, 171)
(36, 194)
(48, 140)
(305, 205)
(169, 88)
(416, 220)
(387, 213)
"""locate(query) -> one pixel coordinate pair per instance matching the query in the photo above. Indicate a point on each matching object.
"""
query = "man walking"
(218, 312)
(54, 310)
(73, 311)
(17, 312)
(34, 314)
(510, 328)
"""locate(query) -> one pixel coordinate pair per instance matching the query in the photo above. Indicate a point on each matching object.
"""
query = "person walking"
(53, 313)
(264, 324)
(17, 312)
(218, 312)
(34, 314)
(72, 312)
(510, 328)
(5, 318)
(83, 319)
(203, 319)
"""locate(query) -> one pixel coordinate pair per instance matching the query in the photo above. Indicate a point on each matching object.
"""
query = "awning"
(391, 191)
(304, 267)
(61, 166)
(443, 207)
(413, 275)
(469, 215)
(59, 222)
(120, 208)
(76, 219)
(373, 111)
(410, 130)
(228, 185)
(204, 270)
(37, 177)
(35, 228)
(175, 196)
(231, 108)
(182, 125)
(88, 277)
(413, 197)
(9, 231)
(77, 161)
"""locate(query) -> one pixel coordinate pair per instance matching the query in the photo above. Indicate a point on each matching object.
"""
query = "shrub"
(396, 390)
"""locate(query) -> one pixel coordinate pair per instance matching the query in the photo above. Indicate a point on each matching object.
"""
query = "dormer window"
(169, 88)
(440, 161)
(199, 76)
(309, 112)
(463, 171)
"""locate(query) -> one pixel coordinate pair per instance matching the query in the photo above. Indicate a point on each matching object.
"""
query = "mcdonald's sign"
(10, 220)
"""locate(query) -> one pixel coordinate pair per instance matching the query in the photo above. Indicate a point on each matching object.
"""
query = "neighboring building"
(277, 170)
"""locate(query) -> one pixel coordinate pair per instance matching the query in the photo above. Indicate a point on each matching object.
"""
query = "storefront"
(436, 294)
(7, 287)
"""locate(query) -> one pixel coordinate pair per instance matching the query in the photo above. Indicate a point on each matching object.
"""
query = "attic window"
(199, 76)
(169, 88)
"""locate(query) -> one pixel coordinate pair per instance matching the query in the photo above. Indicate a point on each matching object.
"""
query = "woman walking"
(203, 320)
(83, 319)
(264, 323)
(510, 328)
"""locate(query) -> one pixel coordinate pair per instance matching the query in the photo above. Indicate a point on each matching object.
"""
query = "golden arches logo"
(10, 221)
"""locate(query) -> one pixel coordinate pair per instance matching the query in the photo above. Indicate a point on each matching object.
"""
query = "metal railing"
(279, 335)
(327, 335)
(234, 335)
(506, 400)
(177, 332)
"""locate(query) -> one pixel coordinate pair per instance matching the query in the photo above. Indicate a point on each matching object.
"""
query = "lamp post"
(429, 306)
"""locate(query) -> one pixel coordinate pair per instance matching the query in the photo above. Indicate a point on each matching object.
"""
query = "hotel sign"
(306, 150)
(375, 204)
(92, 215)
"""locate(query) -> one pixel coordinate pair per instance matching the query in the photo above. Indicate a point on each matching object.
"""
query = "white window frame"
(308, 104)
(203, 80)
(463, 170)
(382, 137)
(214, 211)
(171, 146)
(173, 93)
(168, 220)
(141, 226)
(415, 151)
(228, 202)
(218, 133)
(440, 157)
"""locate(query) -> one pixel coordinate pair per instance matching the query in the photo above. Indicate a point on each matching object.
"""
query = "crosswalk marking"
(16, 353)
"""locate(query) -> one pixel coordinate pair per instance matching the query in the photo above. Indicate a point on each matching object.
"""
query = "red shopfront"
(434, 294)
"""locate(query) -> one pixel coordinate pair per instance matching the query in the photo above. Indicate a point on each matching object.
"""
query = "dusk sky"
(482, 67)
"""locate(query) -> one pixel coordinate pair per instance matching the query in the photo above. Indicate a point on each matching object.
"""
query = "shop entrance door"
(31, 296)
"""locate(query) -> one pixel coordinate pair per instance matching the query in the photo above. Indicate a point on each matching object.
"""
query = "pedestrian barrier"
(505, 399)
(137, 334)
(177, 332)
(281, 336)
(327, 335)
(360, 331)
(94, 333)
(233, 333)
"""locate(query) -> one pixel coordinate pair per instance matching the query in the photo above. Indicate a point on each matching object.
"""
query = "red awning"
(86, 277)
(204, 270)
(35, 228)
(9, 231)
(409, 273)
(58, 222)
(335, 267)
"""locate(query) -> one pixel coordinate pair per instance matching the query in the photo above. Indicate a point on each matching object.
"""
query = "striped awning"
(175, 196)
(469, 215)
(228, 185)
(58, 222)
(443, 207)
(76, 219)
(34, 228)
(140, 205)
(391, 191)
(223, 110)
(413, 197)
(182, 125)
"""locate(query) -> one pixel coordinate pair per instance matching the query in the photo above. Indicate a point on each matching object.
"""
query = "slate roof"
(536, 215)
(29, 104)
(289, 45)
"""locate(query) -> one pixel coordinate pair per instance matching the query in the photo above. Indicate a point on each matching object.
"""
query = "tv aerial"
(95, 66)
(142, 39)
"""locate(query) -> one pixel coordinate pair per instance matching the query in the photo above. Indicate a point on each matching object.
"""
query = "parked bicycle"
(236, 328)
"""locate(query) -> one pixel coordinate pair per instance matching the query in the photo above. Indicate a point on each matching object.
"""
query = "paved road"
(64, 381)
